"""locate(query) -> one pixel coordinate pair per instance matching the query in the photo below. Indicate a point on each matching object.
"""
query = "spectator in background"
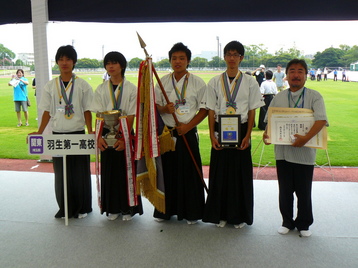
(325, 73)
(34, 87)
(344, 78)
(259, 74)
(268, 90)
(278, 77)
(319, 74)
(19, 83)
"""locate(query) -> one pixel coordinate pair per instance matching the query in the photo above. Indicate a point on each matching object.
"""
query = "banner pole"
(65, 188)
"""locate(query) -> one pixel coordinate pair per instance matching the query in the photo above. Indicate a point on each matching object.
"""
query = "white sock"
(81, 216)
(239, 226)
(112, 217)
(221, 224)
(127, 217)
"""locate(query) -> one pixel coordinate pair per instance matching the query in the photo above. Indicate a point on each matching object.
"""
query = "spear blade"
(142, 44)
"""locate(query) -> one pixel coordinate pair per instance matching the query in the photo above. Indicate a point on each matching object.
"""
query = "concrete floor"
(31, 237)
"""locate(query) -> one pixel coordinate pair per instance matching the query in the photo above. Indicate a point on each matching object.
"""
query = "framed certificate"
(230, 130)
(283, 123)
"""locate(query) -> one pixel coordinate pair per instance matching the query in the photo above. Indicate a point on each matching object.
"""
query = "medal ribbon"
(68, 101)
(302, 95)
(180, 95)
(116, 100)
(231, 94)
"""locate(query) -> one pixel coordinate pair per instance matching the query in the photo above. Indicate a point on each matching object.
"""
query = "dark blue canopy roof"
(19, 11)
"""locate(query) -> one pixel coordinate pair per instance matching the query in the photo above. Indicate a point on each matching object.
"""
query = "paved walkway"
(31, 237)
(27, 225)
(342, 174)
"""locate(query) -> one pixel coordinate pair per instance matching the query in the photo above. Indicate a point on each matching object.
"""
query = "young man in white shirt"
(184, 191)
(66, 104)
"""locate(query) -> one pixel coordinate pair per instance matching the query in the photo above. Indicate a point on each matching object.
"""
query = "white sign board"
(63, 144)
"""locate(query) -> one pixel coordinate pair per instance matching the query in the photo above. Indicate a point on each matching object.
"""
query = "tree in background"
(19, 62)
(199, 63)
(163, 64)
(134, 63)
(88, 63)
(284, 56)
(255, 55)
(351, 55)
(216, 62)
(330, 57)
(6, 55)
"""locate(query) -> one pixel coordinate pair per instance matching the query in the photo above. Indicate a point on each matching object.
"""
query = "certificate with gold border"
(230, 130)
(285, 122)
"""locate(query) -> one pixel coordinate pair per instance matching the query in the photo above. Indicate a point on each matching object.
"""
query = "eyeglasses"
(236, 55)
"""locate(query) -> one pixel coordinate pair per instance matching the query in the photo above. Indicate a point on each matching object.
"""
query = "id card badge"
(184, 108)
(60, 109)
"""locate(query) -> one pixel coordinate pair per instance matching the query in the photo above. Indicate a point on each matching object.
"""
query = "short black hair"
(268, 74)
(115, 57)
(180, 47)
(235, 45)
(68, 51)
(297, 61)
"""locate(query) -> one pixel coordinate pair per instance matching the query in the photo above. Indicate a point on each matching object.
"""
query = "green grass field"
(340, 98)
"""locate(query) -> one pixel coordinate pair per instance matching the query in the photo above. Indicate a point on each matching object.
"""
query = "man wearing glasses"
(230, 197)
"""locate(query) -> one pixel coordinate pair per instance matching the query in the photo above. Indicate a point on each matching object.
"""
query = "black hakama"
(79, 190)
(230, 196)
(114, 196)
(184, 191)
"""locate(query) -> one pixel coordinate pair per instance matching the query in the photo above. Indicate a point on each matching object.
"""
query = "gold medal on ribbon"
(69, 116)
(230, 110)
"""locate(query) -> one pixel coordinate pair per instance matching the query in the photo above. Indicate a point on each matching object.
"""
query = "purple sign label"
(36, 144)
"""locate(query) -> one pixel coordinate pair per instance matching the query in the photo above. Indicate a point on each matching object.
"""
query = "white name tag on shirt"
(184, 108)
(60, 109)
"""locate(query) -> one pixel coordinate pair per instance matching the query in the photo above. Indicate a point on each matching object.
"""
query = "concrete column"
(43, 72)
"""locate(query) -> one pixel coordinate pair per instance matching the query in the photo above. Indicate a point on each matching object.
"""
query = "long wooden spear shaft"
(143, 45)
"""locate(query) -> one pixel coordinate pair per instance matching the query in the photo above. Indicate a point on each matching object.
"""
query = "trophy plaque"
(230, 130)
(111, 120)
